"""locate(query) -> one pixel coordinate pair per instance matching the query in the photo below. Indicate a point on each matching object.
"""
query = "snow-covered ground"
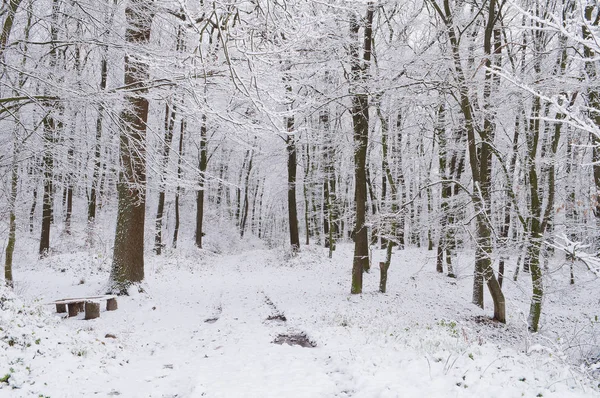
(202, 329)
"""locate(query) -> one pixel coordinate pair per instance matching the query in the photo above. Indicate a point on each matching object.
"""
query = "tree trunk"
(291, 166)
(128, 255)
(169, 126)
(32, 210)
(179, 176)
(48, 164)
(246, 199)
(385, 266)
(305, 189)
(12, 227)
(360, 121)
(202, 165)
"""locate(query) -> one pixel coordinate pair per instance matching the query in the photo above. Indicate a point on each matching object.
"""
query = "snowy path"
(202, 330)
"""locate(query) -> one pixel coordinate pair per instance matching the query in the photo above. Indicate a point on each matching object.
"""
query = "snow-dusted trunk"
(12, 226)
(446, 238)
(360, 119)
(17, 143)
(179, 176)
(244, 215)
(480, 156)
(291, 187)
(384, 266)
(128, 254)
(51, 128)
(48, 174)
(202, 165)
(169, 127)
(331, 227)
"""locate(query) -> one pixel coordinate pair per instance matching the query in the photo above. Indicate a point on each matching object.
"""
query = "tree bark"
(291, 190)
(202, 165)
(128, 254)
(47, 198)
(12, 228)
(169, 126)
(360, 120)
(246, 199)
(179, 176)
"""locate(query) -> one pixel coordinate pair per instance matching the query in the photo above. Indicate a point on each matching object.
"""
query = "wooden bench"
(91, 305)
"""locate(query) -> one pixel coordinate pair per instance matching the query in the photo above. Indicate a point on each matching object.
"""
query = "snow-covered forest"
(300, 198)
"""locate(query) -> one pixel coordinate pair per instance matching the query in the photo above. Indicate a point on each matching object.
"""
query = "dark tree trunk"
(291, 166)
(246, 200)
(330, 225)
(48, 165)
(385, 265)
(360, 121)
(179, 175)
(69, 208)
(202, 165)
(50, 130)
(128, 255)
(32, 210)
(446, 239)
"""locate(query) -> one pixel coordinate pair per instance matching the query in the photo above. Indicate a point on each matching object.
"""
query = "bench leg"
(61, 308)
(73, 309)
(111, 304)
(92, 310)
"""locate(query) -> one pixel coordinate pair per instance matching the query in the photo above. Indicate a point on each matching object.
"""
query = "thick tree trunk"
(128, 255)
(360, 120)
(291, 166)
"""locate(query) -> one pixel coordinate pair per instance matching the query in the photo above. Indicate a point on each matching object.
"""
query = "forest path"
(238, 356)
